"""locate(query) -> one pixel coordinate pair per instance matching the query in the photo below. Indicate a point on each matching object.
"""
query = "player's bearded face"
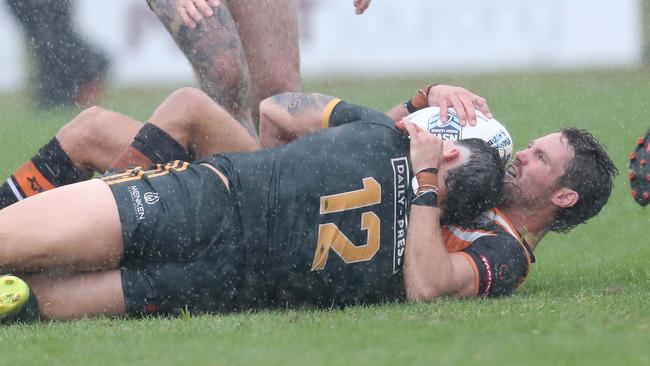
(532, 176)
(526, 189)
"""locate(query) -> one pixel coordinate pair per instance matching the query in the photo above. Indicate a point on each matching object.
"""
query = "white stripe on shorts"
(14, 189)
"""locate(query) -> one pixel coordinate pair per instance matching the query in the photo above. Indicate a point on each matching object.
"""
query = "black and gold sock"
(51, 167)
(152, 145)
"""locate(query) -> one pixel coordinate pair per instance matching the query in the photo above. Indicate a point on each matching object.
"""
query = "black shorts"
(180, 229)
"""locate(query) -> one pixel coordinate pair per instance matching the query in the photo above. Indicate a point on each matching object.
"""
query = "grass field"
(585, 301)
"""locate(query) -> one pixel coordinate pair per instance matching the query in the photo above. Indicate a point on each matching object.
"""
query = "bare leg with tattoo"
(244, 53)
(217, 55)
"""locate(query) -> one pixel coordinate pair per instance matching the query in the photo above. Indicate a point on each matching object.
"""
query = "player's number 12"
(329, 235)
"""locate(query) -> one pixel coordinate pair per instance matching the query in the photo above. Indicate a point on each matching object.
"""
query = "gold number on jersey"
(329, 235)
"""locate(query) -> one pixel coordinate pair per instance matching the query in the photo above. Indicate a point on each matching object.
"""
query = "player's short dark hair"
(591, 173)
(475, 186)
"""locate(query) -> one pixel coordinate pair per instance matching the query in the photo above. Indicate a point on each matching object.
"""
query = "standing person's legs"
(84, 66)
(217, 55)
(269, 32)
(40, 21)
(67, 64)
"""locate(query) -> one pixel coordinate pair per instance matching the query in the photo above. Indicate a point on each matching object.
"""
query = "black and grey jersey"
(324, 217)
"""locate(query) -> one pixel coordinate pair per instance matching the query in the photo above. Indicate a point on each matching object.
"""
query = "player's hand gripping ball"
(486, 129)
(639, 174)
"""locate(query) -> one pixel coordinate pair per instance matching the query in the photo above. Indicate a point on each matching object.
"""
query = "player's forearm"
(428, 270)
(397, 112)
(418, 101)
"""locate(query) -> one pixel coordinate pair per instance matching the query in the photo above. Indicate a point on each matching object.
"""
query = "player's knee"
(229, 74)
(179, 113)
(187, 96)
(183, 103)
(84, 127)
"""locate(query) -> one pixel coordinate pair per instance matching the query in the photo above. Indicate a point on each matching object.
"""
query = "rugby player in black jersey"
(485, 262)
(558, 182)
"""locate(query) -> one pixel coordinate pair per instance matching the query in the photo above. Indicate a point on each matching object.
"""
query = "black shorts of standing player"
(193, 264)
(639, 173)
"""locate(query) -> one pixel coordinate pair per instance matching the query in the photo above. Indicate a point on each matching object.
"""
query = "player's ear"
(451, 153)
(565, 197)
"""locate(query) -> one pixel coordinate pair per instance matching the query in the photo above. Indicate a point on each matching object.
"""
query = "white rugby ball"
(486, 129)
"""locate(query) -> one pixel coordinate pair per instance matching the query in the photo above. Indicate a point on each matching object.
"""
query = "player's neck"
(531, 225)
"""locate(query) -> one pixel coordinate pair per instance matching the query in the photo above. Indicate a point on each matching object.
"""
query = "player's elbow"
(266, 106)
(422, 296)
(266, 125)
(270, 132)
(423, 293)
(429, 289)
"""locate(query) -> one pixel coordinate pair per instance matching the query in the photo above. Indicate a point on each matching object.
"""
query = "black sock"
(150, 146)
(51, 167)
(158, 145)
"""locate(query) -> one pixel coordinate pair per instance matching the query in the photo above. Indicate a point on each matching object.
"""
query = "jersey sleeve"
(500, 263)
(338, 112)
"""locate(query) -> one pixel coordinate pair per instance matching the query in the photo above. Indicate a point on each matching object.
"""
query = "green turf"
(585, 301)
